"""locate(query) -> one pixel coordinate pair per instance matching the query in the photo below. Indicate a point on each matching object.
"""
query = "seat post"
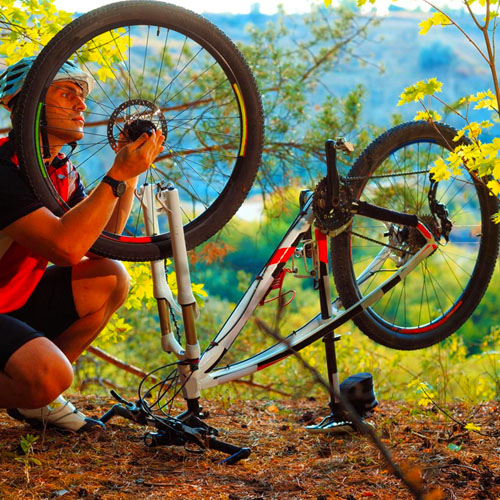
(331, 365)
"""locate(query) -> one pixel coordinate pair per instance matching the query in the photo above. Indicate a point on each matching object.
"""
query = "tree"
(481, 156)
(290, 58)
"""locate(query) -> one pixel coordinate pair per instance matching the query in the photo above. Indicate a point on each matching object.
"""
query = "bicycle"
(393, 230)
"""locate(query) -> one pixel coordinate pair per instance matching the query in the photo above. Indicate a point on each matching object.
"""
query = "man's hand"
(136, 157)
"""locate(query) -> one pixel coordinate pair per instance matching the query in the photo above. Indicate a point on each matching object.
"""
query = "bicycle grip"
(236, 453)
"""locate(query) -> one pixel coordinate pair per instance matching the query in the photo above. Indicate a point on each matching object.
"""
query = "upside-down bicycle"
(411, 257)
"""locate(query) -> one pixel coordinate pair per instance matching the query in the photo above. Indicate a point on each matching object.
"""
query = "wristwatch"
(119, 187)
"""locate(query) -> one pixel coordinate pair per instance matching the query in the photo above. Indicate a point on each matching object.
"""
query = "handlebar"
(236, 453)
(189, 435)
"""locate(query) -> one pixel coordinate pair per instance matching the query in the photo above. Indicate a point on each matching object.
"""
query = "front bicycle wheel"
(436, 298)
(160, 63)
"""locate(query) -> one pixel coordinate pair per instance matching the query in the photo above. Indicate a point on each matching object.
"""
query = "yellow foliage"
(363, 2)
(419, 90)
(472, 427)
(494, 187)
(31, 24)
(485, 100)
(437, 19)
(440, 171)
(428, 115)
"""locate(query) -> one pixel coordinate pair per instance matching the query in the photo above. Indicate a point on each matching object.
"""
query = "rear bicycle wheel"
(167, 65)
(435, 299)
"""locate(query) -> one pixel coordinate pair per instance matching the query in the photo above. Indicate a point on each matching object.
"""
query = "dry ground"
(286, 462)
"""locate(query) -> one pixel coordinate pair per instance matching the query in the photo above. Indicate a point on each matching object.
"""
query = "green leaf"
(454, 447)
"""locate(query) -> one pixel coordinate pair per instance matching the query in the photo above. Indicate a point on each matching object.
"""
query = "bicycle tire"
(450, 282)
(214, 142)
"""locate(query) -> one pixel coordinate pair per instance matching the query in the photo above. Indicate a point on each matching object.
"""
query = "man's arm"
(122, 209)
(66, 240)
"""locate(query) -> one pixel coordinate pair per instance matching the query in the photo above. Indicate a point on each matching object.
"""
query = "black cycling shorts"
(50, 310)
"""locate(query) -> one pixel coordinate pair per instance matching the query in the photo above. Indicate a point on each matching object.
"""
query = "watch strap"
(115, 185)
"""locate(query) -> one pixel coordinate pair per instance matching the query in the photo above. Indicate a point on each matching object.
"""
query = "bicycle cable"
(172, 313)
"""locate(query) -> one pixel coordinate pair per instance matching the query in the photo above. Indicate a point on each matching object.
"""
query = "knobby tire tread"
(97, 20)
(342, 270)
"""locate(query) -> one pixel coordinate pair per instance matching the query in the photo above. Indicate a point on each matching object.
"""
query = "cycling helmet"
(12, 80)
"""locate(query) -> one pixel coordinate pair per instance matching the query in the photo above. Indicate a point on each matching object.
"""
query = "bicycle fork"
(168, 199)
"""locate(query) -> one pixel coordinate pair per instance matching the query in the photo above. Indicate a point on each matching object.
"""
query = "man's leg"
(34, 375)
(100, 286)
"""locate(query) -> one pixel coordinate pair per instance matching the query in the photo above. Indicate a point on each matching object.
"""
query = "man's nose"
(80, 103)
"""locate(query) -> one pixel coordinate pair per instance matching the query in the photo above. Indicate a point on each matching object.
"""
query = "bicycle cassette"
(331, 220)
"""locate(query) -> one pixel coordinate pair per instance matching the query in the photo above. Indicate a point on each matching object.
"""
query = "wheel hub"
(132, 118)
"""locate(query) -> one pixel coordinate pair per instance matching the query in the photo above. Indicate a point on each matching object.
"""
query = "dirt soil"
(447, 460)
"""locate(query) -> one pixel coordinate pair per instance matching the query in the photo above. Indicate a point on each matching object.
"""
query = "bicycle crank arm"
(118, 410)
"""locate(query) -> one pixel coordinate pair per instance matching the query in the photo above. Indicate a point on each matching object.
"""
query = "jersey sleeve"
(16, 196)
(78, 194)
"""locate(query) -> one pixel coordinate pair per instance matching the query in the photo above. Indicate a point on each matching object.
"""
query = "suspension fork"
(168, 198)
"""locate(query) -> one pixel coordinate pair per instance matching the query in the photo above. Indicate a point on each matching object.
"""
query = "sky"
(244, 6)
(226, 6)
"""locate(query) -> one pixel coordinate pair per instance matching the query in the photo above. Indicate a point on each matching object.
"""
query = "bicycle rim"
(163, 64)
(441, 293)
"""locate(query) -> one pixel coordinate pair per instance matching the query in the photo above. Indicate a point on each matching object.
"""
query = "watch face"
(121, 187)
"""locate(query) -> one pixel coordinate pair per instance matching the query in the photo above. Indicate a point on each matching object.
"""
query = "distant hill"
(406, 56)
(395, 44)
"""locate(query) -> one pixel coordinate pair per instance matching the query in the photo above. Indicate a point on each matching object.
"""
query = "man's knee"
(100, 284)
(44, 388)
(119, 291)
(40, 371)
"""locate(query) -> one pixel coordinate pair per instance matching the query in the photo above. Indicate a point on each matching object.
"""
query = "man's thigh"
(14, 334)
(98, 283)
(50, 308)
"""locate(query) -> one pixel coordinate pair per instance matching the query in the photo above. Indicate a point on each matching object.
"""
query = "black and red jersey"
(21, 268)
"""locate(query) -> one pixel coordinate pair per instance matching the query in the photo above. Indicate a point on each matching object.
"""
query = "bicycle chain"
(415, 240)
(392, 247)
(382, 176)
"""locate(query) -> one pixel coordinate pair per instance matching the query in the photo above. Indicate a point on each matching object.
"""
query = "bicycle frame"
(208, 373)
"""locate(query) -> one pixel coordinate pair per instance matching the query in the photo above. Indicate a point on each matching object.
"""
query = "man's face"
(64, 109)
